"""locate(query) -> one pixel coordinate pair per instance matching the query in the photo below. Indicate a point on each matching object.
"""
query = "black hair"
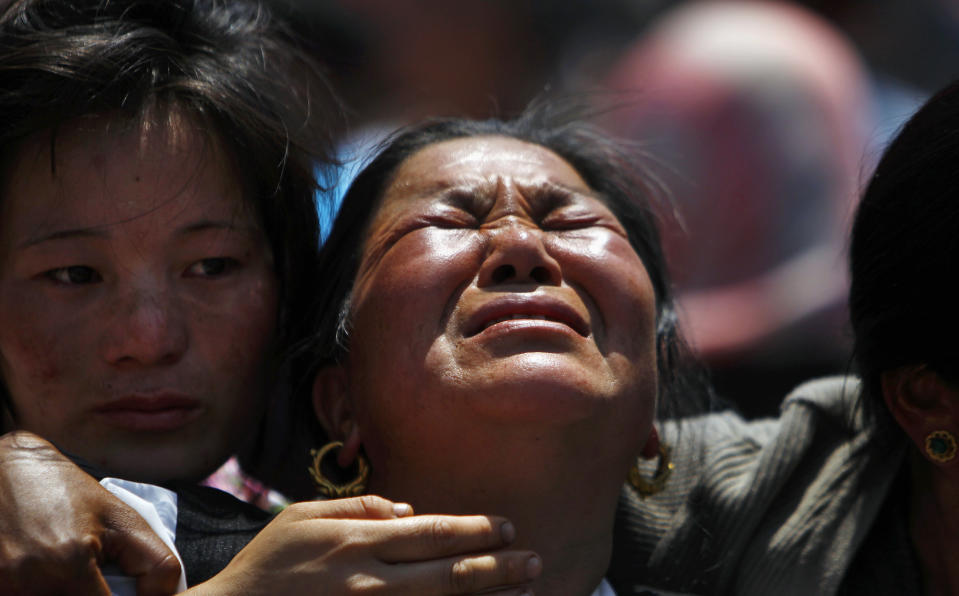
(904, 252)
(229, 65)
(611, 168)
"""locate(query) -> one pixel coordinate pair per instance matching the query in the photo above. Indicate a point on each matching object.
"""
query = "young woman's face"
(138, 300)
(498, 291)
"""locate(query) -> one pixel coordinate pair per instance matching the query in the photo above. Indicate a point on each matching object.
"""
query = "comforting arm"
(58, 525)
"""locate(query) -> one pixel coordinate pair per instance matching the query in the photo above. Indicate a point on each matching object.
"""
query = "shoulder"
(829, 400)
(752, 499)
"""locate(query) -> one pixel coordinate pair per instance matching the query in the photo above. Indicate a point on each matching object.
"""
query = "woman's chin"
(543, 388)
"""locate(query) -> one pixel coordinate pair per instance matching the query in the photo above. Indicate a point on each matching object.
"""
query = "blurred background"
(763, 119)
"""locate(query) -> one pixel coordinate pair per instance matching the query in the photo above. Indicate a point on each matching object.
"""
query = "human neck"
(934, 527)
(560, 496)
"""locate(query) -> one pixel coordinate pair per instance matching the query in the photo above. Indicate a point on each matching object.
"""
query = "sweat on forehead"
(480, 157)
(473, 171)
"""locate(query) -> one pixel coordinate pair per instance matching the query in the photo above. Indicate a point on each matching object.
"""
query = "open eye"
(74, 275)
(212, 267)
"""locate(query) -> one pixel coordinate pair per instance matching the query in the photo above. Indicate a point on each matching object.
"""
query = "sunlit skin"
(138, 300)
(502, 355)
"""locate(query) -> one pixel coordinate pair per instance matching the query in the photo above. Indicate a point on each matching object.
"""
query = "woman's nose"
(146, 327)
(517, 255)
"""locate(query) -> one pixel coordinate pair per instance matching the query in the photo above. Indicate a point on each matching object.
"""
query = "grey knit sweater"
(771, 507)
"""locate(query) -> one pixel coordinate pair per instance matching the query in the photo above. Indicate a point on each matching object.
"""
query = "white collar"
(604, 589)
(158, 507)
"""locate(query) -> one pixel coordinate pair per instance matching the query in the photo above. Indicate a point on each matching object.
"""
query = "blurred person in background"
(853, 489)
(760, 113)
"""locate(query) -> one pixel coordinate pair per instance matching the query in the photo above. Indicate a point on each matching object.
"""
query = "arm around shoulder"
(58, 524)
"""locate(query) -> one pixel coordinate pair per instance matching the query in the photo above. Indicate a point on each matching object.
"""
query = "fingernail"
(401, 509)
(507, 532)
(534, 566)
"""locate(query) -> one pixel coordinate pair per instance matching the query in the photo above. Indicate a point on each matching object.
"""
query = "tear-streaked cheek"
(421, 266)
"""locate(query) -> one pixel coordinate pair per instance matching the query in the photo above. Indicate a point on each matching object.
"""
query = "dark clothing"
(212, 526)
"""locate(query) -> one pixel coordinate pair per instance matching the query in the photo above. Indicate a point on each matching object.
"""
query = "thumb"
(132, 545)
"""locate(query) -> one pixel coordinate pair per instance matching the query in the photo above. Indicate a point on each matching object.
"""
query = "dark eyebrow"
(448, 188)
(213, 224)
(101, 232)
(551, 187)
(96, 232)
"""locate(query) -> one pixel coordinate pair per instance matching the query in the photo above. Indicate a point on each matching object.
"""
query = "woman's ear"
(331, 402)
(651, 448)
(921, 402)
(334, 409)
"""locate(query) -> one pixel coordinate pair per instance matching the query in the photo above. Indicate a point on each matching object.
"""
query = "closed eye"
(444, 216)
(452, 220)
(212, 267)
(557, 208)
(571, 218)
(74, 275)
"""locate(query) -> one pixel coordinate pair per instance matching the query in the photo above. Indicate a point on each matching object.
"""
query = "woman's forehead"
(104, 169)
(479, 159)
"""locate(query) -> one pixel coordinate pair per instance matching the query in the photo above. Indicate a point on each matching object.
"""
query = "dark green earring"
(941, 446)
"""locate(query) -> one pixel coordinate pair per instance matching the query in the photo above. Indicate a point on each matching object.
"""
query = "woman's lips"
(537, 310)
(156, 413)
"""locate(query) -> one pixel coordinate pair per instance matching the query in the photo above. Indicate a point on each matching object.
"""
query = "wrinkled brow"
(478, 195)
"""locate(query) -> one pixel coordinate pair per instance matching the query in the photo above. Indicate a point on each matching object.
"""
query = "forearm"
(58, 525)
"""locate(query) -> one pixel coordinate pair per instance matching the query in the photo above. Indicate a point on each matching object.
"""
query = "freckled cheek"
(590, 246)
(31, 356)
(240, 332)
(409, 289)
(432, 258)
(612, 274)
(634, 310)
(36, 366)
(262, 311)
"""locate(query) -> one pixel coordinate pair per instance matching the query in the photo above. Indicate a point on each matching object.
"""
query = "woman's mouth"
(533, 309)
(154, 413)
(515, 317)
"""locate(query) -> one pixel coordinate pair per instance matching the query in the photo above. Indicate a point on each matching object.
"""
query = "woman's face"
(497, 289)
(137, 298)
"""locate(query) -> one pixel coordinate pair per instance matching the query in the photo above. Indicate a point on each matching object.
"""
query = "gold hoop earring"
(941, 446)
(330, 489)
(647, 488)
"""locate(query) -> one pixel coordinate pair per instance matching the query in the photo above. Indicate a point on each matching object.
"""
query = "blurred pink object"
(232, 479)
(762, 112)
